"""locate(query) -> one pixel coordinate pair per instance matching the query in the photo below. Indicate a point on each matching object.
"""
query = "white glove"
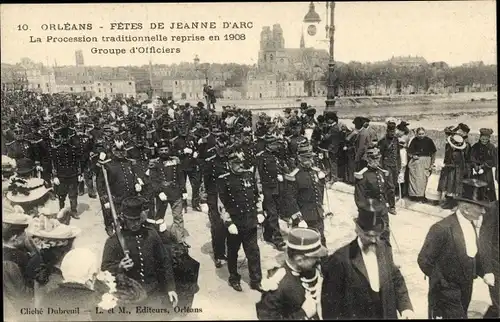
(260, 218)
(321, 175)
(344, 148)
(302, 224)
(280, 178)
(184, 196)
(107, 205)
(162, 196)
(489, 279)
(56, 181)
(138, 187)
(309, 306)
(474, 172)
(39, 168)
(188, 150)
(232, 229)
(401, 178)
(80, 178)
(481, 171)
(140, 181)
(172, 296)
(195, 154)
(407, 315)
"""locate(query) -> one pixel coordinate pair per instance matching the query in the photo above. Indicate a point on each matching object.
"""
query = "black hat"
(310, 111)
(473, 192)
(303, 105)
(358, 120)
(287, 110)
(25, 165)
(132, 207)
(403, 126)
(200, 105)
(370, 220)
(304, 148)
(485, 132)
(463, 128)
(331, 115)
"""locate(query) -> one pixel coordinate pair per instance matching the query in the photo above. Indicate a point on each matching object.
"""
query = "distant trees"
(356, 77)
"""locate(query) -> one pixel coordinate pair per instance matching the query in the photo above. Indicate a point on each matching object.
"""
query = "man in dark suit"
(488, 248)
(361, 280)
(450, 257)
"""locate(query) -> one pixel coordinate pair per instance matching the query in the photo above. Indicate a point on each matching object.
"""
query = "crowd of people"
(251, 170)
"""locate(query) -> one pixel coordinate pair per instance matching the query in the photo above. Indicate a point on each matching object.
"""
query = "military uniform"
(212, 168)
(85, 143)
(66, 167)
(370, 194)
(239, 196)
(185, 149)
(152, 268)
(166, 177)
(271, 171)
(391, 161)
(19, 149)
(122, 179)
(305, 189)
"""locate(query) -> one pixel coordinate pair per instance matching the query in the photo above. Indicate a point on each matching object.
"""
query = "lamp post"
(313, 17)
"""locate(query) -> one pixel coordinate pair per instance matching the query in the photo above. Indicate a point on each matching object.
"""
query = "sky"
(452, 31)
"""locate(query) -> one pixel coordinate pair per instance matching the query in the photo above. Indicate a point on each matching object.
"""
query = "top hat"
(403, 126)
(456, 141)
(25, 165)
(132, 207)
(200, 105)
(472, 192)
(370, 221)
(303, 105)
(485, 132)
(307, 242)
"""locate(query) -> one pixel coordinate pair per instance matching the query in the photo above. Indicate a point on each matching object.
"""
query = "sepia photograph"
(322, 160)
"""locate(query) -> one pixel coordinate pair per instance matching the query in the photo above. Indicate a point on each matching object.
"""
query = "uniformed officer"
(168, 188)
(305, 187)
(66, 170)
(20, 148)
(212, 167)
(184, 146)
(293, 140)
(271, 170)
(147, 261)
(391, 161)
(84, 142)
(238, 198)
(122, 178)
(370, 189)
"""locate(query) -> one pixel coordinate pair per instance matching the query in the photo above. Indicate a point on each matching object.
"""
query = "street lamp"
(313, 17)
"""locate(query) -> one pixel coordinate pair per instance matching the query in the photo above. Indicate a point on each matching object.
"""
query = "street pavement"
(218, 301)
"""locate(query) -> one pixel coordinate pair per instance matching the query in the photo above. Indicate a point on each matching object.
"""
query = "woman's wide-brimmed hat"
(23, 191)
(456, 141)
(48, 232)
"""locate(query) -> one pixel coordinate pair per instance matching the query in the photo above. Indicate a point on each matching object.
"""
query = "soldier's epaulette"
(291, 176)
(258, 154)
(176, 160)
(272, 282)
(9, 143)
(222, 176)
(359, 175)
(153, 162)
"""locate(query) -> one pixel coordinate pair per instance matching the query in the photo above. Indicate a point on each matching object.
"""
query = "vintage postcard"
(249, 161)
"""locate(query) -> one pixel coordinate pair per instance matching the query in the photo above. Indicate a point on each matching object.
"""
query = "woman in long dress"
(421, 157)
(454, 170)
(484, 157)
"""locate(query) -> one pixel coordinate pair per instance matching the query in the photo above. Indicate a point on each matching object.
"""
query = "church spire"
(302, 42)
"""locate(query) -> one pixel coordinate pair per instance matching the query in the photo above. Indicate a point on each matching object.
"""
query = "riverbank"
(361, 101)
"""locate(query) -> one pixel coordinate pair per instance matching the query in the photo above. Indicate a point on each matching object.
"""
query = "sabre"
(113, 213)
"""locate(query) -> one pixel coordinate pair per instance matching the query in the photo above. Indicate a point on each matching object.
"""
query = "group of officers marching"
(135, 156)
